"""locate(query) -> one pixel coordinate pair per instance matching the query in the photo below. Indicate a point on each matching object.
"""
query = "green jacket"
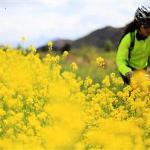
(139, 54)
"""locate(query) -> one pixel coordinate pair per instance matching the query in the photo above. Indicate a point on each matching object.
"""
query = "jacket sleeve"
(122, 55)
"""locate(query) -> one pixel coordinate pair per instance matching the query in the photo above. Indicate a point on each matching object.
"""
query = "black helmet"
(142, 16)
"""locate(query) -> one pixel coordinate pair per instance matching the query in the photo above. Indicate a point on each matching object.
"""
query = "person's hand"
(129, 75)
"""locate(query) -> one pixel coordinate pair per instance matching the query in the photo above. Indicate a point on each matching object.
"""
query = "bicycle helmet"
(142, 16)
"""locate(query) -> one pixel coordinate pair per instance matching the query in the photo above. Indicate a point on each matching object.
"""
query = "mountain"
(62, 44)
(58, 45)
(101, 38)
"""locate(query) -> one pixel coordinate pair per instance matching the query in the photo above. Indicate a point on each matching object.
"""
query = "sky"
(43, 20)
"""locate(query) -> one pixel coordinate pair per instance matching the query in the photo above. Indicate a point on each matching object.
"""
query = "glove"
(128, 75)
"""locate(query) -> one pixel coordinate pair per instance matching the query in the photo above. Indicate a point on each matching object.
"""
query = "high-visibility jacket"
(138, 56)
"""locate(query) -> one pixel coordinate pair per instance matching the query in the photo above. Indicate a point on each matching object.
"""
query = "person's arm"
(122, 55)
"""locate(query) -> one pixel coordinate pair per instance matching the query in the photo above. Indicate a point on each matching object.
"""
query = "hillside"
(98, 38)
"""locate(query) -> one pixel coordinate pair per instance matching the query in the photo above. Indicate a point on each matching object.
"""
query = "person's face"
(144, 31)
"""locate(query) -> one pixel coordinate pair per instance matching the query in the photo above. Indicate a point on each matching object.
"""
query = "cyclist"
(134, 47)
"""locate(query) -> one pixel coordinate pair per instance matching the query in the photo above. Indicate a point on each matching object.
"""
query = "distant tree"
(66, 47)
(108, 45)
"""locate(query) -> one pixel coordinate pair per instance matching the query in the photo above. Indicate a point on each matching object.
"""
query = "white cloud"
(63, 18)
(53, 2)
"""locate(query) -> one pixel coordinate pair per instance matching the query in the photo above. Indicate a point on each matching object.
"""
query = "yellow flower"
(11, 102)
(141, 80)
(65, 54)
(106, 81)
(74, 66)
(100, 62)
(50, 45)
(88, 81)
(2, 112)
(42, 116)
(44, 106)
(32, 48)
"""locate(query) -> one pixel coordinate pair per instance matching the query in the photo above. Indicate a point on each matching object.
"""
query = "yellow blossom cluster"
(120, 115)
(141, 79)
(74, 66)
(65, 54)
(40, 106)
(100, 62)
(32, 49)
(50, 45)
(45, 107)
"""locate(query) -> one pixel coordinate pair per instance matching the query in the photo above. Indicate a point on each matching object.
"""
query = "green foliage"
(108, 45)
(85, 58)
